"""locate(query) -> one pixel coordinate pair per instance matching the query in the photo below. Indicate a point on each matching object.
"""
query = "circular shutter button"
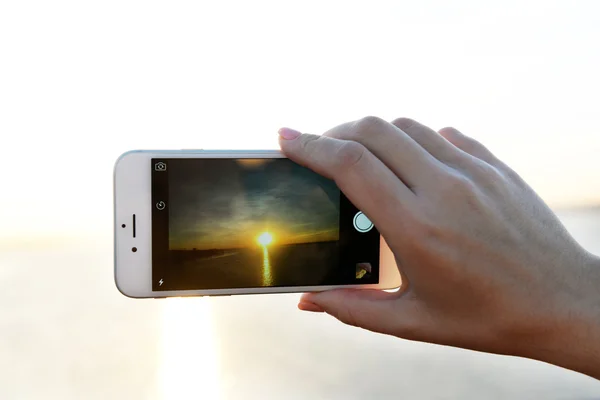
(362, 223)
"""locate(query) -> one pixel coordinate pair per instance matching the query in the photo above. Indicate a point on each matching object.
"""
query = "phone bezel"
(132, 195)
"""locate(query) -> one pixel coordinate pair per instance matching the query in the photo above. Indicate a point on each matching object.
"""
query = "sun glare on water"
(266, 239)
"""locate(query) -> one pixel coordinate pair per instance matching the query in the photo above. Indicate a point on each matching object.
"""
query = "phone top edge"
(204, 151)
(272, 153)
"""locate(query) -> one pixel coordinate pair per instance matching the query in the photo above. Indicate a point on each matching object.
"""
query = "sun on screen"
(265, 238)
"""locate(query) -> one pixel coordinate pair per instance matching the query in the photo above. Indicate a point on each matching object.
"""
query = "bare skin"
(485, 264)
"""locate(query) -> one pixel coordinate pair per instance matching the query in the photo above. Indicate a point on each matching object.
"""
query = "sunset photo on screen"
(257, 222)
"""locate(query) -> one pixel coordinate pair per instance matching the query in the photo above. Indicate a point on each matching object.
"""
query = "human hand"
(485, 264)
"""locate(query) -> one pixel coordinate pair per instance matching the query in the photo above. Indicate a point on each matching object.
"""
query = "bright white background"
(82, 82)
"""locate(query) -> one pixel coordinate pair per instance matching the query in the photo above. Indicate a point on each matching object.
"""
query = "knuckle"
(489, 177)
(368, 124)
(404, 123)
(451, 130)
(474, 143)
(462, 189)
(309, 143)
(510, 175)
(468, 145)
(474, 146)
(457, 184)
(484, 171)
(350, 153)
(451, 133)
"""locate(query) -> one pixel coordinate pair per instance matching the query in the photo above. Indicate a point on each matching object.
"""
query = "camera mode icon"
(160, 166)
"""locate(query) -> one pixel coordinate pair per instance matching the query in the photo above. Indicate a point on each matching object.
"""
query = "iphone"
(201, 223)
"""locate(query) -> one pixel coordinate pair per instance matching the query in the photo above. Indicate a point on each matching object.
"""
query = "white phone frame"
(132, 195)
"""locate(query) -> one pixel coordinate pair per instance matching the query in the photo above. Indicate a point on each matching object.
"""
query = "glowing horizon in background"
(75, 95)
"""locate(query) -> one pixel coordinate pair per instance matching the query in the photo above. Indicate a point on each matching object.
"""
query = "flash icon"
(160, 282)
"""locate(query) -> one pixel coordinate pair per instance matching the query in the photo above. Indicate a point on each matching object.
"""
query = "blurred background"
(82, 82)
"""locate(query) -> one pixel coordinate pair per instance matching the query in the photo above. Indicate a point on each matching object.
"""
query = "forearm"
(572, 338)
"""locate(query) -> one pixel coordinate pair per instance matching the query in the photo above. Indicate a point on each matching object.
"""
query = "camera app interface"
(245, 223)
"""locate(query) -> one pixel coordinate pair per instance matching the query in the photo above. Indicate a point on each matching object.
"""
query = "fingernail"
(312, 307)
(289, 134)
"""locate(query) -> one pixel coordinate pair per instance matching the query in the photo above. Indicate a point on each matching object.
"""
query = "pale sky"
(82, 82)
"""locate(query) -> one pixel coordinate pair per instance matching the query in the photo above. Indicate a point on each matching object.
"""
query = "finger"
(370, 309)
(398, 151)
(363, 178)
(468, 145)
(430, 140)
(309, 306)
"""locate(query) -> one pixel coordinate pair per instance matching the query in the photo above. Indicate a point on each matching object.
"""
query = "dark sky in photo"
(228, 203)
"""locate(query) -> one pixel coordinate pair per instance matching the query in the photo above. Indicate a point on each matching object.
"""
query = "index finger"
(365, 180)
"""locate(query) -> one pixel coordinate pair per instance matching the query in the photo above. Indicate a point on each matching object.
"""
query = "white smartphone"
(199, 223)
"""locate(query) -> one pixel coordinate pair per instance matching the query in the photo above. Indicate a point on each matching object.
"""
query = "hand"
(485, 264)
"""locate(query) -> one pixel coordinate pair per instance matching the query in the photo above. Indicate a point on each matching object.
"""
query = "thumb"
(371, 309)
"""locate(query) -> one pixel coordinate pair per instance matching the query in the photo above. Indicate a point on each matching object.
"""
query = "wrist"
(570, 334)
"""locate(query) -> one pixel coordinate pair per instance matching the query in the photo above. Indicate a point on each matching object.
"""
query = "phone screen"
(245, 223)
